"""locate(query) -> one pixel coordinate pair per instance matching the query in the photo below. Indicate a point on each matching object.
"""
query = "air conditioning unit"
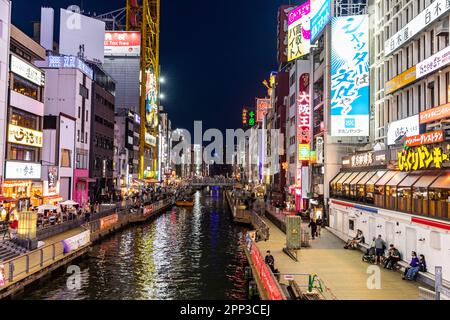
(442, 28)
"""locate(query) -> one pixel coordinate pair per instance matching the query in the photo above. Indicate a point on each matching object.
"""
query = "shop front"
(81, 187)
(22, 183)
(406, 201)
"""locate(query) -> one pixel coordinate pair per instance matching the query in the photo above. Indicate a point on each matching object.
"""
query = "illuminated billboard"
(299, 33)
(122, 43)
(151, 99)
(320, 16)
(350, 76)
(262, 106)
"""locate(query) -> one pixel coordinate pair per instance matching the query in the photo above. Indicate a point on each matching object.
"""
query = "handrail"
(25, 263)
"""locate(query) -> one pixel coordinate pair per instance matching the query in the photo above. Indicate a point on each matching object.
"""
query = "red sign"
(262, 106)
(122, 43)
(426, 138)
(148, 210)
(108, 221)
(267, 278)
(244, 115)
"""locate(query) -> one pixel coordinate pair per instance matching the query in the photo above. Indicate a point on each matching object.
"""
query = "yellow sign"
(21, 135)
(401, 80)
(304, 152)
(422, 158)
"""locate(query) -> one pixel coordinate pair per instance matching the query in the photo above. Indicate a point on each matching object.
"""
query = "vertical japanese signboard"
(304, 125)
(350, 76)
(320, 16)
(299, 32)
(262, 106)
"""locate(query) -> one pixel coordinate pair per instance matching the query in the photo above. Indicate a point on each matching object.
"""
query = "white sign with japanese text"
(433, 63)
(431, 13)
(22, 170)
(407, 127)
(27, 71)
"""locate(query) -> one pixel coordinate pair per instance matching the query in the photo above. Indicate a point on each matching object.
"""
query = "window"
(24, 119)
(23, 154)
(87, 116)
(84, 92)
(435, 240)
(65, 158)
(26, 88)
(78, 135)
(86, 141)
(79, 112)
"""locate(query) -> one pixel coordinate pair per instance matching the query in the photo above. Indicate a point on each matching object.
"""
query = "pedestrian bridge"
(211, 183)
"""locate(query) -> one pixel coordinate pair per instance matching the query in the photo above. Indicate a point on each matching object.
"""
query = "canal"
(184, 253)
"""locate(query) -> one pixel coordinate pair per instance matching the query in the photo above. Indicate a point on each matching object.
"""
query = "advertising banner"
(425, 18)
(320, 16)
(262, 106)
(407, 127)
(435, 114)
(108, 221)
(24, 136)
(282, 35)
(69, 62)
(350, 76)
(426, 138)
(27, 71)
(263, 271)
(423, 157)
(75, 242)
(122, 43)
(299, 33)
(79, 31)
(433, 63)
(401, 80)
(148, 210)
(365, 160)
(22, 170)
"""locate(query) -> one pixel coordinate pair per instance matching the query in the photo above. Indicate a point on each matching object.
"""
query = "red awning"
(7, 199)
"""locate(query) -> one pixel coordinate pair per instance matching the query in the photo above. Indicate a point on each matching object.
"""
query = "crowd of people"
(52, 215)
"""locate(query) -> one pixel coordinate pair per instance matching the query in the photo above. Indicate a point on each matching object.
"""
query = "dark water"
(190, 253)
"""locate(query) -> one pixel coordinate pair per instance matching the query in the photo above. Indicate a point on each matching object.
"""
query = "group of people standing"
(393, 256)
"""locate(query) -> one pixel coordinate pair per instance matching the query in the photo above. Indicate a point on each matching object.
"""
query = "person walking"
(380, 246)
(313, 226)
(270, 261)
(319, 223)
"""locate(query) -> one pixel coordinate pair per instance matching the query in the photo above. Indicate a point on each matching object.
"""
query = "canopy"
(7, 199)
(69, 203)
(47, 207)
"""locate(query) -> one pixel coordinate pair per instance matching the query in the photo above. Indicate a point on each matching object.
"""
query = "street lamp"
(161, 95)
(162, 79)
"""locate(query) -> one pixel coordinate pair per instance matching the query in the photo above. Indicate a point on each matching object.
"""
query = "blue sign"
(350, 76)
(320, 16)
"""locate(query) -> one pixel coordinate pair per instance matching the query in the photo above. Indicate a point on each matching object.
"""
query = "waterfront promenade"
(342, 271)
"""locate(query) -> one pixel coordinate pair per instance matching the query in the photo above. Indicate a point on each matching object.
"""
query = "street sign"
(288, 277)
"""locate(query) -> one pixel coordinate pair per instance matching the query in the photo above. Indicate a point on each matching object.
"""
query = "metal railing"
(28, 263)
(125, 205)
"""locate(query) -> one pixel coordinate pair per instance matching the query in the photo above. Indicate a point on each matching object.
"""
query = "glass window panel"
(409, 180)
(425, 181)
(442, 182)
(397, 178)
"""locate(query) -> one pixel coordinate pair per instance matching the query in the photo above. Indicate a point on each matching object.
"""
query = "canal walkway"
(342, 271)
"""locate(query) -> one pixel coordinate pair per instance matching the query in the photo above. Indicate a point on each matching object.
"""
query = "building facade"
(102, 136)
(23, 152)
(69, 91)
(5, 24)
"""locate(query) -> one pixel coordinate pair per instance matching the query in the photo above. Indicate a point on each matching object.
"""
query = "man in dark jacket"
(313, 226)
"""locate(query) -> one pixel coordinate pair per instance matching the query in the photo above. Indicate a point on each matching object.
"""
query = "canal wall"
(61, 249)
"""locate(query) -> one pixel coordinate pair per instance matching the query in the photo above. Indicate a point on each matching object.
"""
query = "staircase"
(9, 250)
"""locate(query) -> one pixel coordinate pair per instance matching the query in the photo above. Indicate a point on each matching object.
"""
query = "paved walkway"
(341, 270)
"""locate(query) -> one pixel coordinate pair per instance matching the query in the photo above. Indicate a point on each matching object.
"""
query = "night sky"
(214, 54)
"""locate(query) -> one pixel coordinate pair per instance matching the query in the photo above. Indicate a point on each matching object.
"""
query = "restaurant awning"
(7, 199)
